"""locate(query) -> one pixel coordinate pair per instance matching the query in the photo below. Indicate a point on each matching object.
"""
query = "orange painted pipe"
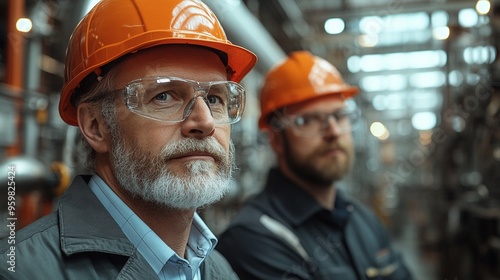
(14, 66)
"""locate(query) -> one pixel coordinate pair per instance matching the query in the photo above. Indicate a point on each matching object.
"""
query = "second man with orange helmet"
(301, 226)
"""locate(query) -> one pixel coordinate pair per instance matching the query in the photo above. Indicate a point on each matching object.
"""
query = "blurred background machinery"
(428, 156)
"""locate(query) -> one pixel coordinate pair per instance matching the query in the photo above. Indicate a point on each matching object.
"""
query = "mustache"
(190, 145)
(332, 147)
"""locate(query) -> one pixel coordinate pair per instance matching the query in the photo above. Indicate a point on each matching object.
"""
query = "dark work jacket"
(283, 233)
(80, 240)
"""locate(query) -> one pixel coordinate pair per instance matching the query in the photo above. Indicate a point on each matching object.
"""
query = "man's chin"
(187, 204)
(193, 168)
(181, 193)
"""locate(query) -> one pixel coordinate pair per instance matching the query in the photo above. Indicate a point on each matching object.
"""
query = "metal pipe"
(244, 29)
(31, 127)
(15, 45)
(14, 66)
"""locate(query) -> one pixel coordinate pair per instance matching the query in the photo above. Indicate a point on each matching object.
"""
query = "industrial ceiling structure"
(396, 51)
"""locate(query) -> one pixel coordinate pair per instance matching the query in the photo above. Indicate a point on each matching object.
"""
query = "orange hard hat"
(300, 77)
(114, 28)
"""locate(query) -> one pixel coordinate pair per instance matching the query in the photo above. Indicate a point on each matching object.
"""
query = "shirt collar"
(299, 205)
(295, 203)
(156, 252)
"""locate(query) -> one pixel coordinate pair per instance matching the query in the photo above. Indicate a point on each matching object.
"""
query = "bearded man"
(153, 87)
(301, 226)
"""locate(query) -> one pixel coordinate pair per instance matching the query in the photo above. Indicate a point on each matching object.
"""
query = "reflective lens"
(344, 121)
(172, 99)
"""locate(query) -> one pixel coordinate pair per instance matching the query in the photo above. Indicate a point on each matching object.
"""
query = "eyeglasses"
(346, 120)
(172, 99)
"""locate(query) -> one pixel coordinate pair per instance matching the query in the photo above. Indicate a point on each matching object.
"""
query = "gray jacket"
(80, 240)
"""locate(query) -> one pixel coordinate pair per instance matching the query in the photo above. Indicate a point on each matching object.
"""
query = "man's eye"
(214, 99)
(340, 115)
(305, 120)
(164, 96)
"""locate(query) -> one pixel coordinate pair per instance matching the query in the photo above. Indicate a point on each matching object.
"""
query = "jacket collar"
(85, 224)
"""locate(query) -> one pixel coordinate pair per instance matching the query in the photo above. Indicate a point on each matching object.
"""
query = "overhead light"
(398, 61)
(24, 25)
(425, 137)
(483, 7)
(441, 33)
(468, 18)
(424, 120)
(371, 25)
(429, 79)
(439, 18)
(367, 41)
(455, 78)
(379, 130)
(479, 55)
(334, 26)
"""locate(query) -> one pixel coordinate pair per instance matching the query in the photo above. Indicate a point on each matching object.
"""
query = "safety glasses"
(172, 99)
(344, 120)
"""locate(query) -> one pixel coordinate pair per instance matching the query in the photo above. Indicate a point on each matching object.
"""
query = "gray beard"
(146, 176)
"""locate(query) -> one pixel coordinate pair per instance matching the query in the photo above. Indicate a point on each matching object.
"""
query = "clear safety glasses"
(345, 120)
(171, 99)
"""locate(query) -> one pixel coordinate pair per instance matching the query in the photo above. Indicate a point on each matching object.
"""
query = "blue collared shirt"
(165, 262)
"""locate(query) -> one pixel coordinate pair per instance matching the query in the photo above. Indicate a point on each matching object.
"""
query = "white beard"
(148, 176)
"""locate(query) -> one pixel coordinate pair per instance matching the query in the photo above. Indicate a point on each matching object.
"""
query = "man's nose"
(331, 125)
(198, 121)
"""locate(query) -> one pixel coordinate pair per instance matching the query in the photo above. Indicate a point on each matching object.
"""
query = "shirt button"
(200, 252)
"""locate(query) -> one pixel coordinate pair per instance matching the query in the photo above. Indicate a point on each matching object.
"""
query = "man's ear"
(93, 127)
(276, 141)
